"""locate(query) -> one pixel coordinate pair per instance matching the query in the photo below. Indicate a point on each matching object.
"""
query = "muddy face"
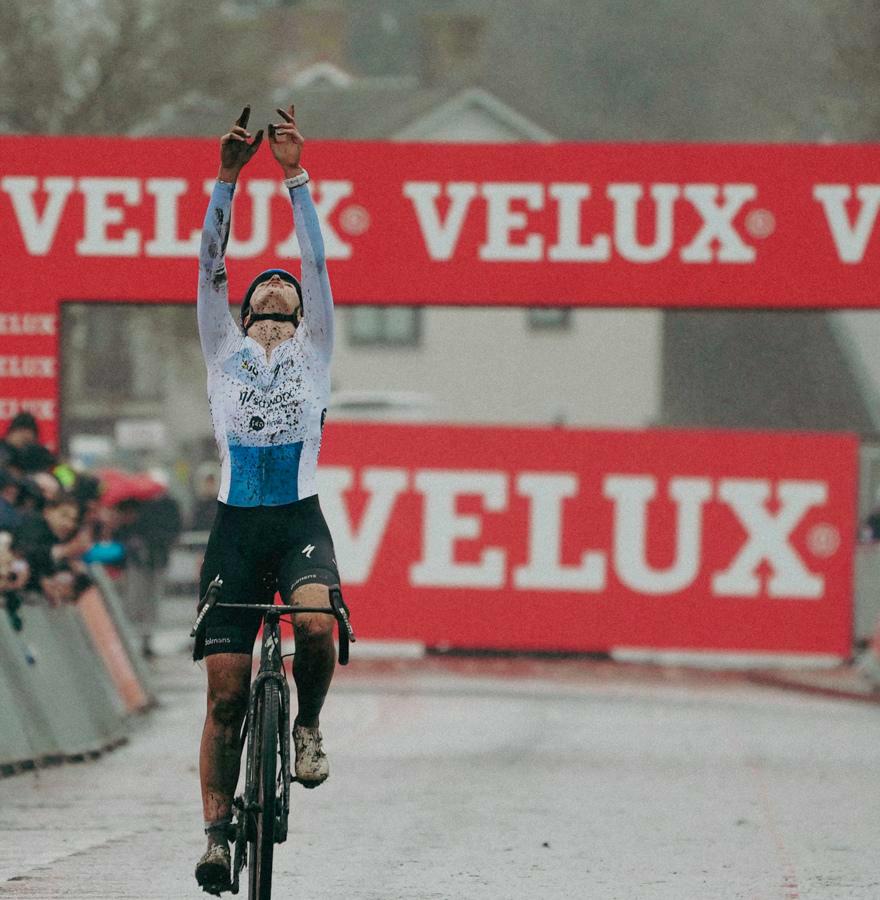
(275, 295)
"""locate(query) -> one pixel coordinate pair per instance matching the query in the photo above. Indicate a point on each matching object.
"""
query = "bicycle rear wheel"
(265, 772)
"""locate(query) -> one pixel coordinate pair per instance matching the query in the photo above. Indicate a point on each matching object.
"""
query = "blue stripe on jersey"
(264, 476)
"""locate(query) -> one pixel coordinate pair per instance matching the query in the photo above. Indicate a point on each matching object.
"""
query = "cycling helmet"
(277, 317)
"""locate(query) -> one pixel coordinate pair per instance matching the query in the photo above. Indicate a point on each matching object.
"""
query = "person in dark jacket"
(149, 531)
(10, 517)
(52, 544)
(22, 432)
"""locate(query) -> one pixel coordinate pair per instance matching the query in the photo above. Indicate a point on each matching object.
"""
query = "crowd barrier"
(70, 679)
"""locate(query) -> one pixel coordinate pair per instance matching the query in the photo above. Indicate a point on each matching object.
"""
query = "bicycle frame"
(271, 669)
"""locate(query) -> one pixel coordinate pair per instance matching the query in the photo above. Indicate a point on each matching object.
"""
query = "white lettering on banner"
(27, 366)
(37, 232)
(326, 199)
(507, 236)
(27, 324)
(166, 242)
(40, 408)
(260, 191)
(501, 221)
(441, 238)
(544, 569)
(850, 241)
(631, 495)
(716, 240)
(626, 198)
(443, 526)
(768, 538)
(768, 534)
(718, 223)
(100, 214)
(356, 551)
(568, 247)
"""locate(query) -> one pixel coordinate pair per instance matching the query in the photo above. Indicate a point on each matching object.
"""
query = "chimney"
(452, 47)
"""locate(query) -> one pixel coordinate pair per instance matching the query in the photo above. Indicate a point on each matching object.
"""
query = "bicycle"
(261, 811)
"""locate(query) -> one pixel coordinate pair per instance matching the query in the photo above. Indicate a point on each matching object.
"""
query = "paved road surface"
(492, 780)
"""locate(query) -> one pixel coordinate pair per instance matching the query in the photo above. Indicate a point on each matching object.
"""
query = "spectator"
(870, 531)
(10, 517)
(149, 529)
(14, 570)
(22, 431)
(86, 489)
(32, 459)
(30, 498)
(52, 545)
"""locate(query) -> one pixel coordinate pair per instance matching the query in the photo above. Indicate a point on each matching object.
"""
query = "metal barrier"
(27, 737)
(61, 694)
(113, 605)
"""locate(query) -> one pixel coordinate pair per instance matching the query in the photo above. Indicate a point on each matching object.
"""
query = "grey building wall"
(766, 370)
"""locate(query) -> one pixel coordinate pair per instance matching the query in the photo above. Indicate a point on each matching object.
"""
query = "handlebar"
(338, 610)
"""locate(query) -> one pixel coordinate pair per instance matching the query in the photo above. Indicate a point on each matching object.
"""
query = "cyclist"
(268, 386)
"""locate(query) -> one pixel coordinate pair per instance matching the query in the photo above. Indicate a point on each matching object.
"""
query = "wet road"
(491, 780)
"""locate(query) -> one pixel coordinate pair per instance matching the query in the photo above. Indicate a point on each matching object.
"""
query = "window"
(398, 326)
(541, 318)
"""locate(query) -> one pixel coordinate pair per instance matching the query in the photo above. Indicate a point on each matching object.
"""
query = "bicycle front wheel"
(265, 773)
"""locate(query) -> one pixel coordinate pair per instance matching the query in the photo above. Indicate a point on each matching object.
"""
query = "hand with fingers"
(237, 147)
(286, 142)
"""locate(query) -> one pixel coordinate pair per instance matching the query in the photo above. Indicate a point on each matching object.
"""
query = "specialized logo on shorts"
(308, 549)
(217, 640)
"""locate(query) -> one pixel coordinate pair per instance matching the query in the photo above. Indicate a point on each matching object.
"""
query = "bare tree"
(104, 66)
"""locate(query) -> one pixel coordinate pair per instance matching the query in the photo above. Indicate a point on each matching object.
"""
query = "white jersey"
(268, 413)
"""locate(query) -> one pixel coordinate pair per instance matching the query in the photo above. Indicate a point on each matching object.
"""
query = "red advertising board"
(553, 224)
(553, 539)
(673, 225)
(547, 539)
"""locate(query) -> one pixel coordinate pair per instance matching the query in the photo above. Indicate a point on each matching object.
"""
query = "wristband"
(297, 180)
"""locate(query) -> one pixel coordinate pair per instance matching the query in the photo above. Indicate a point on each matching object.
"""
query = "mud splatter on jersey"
(267, 413)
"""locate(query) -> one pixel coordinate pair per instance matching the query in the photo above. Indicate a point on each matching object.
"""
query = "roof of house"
(575, 69)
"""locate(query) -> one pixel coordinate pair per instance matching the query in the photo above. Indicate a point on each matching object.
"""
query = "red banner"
(675, 225)
(585, 540)
(559, 224)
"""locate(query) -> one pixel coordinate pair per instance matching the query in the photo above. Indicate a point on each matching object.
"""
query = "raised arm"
(216, 324)
(287, 143)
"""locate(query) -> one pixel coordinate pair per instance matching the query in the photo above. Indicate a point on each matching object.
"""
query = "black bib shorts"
(257, 551)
